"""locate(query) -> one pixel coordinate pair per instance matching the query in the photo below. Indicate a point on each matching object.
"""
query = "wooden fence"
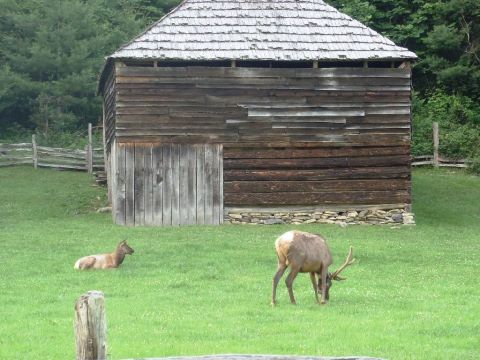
(89, 159)
(436, 159)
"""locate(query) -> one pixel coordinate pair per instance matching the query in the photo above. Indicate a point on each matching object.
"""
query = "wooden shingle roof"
(259, 30)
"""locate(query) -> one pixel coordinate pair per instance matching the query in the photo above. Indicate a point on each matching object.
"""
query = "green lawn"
(414, 293)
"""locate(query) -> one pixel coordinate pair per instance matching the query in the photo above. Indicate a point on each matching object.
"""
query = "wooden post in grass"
(436, 141)
(34, 152)
(89, 153)
(91, 326)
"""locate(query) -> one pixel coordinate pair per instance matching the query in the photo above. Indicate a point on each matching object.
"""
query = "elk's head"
(125, 248)
(335, 275)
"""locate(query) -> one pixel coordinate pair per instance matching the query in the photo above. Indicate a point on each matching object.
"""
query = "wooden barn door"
(170, 184)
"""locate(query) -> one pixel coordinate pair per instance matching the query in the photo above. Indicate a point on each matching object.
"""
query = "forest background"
(52, 51)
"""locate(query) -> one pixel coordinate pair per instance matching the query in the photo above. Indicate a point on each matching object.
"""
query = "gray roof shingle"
(259, 30)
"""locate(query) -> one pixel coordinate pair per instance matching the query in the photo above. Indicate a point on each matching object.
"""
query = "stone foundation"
(342, 218)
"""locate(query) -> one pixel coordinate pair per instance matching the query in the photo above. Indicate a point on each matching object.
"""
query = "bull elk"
(105, 261)
(305, 252)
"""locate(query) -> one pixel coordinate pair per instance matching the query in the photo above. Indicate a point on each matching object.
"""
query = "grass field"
(414, 293)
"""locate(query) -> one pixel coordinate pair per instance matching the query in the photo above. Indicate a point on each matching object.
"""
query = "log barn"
(229, 108)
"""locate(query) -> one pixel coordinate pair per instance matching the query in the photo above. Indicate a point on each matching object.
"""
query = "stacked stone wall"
(343, 218)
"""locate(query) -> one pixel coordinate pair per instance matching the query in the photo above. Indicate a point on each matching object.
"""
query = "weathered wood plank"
(293, 153)
(183, 184)
(161, 121)
(389, 172)
(139, 185)
(359, 88)
(167, 185)
(312, 111)
(304, 208)
(119, 168)
(282, 132)
(269, 141)
(136, 98)
(221, 183)
(216, 207)
(310, 198)
(358, 99)
(163, 84)
(141, 110)
(158, 181)
(111, 169)
(291, 82)
(148, 185)
(293, 95)
(200, 187)
(129, 185)
(206, 133)
(315, 186)
(245, 72)
(109, 103)
(169, 126)
(307, 163)
(192, 179)
(209, 159)
(62, 166)
(175, 190)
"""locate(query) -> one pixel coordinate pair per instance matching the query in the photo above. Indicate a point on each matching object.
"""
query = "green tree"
(445, 34)
(51, 53)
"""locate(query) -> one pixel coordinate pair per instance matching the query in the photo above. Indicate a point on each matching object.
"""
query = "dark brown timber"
(193, 139)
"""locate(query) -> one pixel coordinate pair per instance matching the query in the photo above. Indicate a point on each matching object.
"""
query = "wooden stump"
(91, 327)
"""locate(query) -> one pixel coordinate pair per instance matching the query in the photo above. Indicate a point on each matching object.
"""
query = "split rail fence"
(92, 159)
(436, 159)
(89, 159)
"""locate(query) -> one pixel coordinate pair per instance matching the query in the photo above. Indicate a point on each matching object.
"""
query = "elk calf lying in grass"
(105, 261)
(305, 252)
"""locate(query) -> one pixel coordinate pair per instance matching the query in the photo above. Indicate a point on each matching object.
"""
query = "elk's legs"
(315, 285)
(281, 269)
(324, 284)
(289, 282)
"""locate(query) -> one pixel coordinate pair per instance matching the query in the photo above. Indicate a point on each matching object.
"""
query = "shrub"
(474, 165)
(459, 123)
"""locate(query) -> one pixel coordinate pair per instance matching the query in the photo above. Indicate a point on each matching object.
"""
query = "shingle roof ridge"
(189, 19)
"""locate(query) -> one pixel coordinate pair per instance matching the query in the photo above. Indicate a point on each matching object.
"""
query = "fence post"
(436, 141)
(34, 151)
(91, 326)
(89, 153)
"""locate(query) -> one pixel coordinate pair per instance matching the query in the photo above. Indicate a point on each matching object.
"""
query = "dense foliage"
(51, 52)
(445, 34)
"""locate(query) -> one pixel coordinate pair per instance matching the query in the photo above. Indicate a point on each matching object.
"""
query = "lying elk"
(305, 252)
(105, 261)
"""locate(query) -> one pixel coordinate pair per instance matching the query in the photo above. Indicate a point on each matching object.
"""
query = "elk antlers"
(348, 261)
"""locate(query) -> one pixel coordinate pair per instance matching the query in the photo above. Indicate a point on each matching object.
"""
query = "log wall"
(332, 136)
(109, 105)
